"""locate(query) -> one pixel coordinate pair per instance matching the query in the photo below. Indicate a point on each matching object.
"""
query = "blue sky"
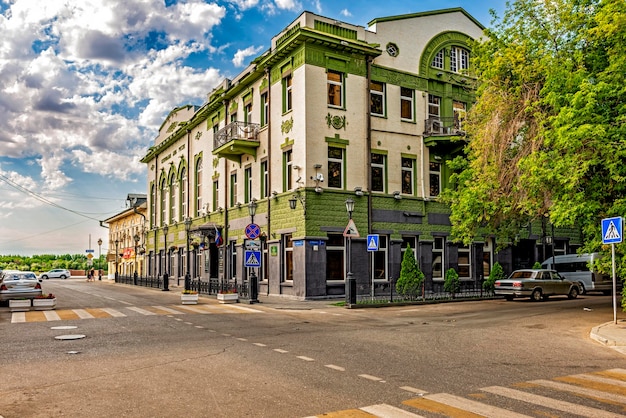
(85, 84)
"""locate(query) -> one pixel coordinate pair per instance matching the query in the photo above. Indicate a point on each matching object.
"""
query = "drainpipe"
(269, 168)
(368, 155)
(226, 244)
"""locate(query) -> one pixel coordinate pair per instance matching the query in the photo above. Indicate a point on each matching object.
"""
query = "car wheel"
(573, 293)
(582, 288)
(63, 276)
(44, 277)
(509, 297)
(536, 295)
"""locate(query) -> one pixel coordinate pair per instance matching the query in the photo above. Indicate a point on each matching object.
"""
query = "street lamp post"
(254, 291)
(99, 258)
(350, 281)
(166, 277)
(117, 242)
(136, 238)
(187, 276)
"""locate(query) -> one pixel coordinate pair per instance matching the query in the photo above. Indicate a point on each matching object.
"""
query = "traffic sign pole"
(612, 233)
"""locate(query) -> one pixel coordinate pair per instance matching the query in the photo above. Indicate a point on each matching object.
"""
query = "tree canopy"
(547, 134)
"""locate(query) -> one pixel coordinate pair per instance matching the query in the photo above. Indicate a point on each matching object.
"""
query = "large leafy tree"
(548, 130)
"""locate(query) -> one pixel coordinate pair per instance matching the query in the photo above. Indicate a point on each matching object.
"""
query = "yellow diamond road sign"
(89, 256)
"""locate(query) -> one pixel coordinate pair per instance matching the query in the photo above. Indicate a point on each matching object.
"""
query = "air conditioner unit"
(436, 127)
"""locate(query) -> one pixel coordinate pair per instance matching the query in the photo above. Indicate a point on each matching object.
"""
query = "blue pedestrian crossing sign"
(612, 230)
(372, 242)
(252, 258)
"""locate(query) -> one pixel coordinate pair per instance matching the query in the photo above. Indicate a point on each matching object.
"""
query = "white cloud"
(241, 55)
(346, 13)
(244, 4)
(288, 5)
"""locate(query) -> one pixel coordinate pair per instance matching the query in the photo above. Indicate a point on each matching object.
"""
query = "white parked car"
(56, 274)
(19, 285)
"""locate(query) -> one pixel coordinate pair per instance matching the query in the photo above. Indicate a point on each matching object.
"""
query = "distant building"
(331, 112)
(127, 238)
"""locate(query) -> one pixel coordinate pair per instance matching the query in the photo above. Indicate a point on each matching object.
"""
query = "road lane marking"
(305, 358)
(388, 411)
(591, 383)
(241, 308)
(370, 377)
(413, 390)
(473, 406)
(332, 366)
(557, 404)
(280, 350)
(439, 408)
(260, 344)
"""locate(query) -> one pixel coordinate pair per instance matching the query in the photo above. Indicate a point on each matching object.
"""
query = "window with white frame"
(335, 256)
(233, 259)
(153, 198)
(335, 167)
(265, 179)
(334, 80)
(438, 258)
(378, 172)
(406, 242)
(379, 259)
(173, 193)
(464, 262)
(183, 192)
(434, 172)
(198, 186)
(247, 112)
(459, 59)
(377, 98)
(287, 93)
(407, 99)
(287, 242)
(233, 189)
(434, 106)
(288, 170)
(438, 59)
(216, 190)
(248, 186)
(408, 170)
(163, 203)
(265, 109)
(459, 112)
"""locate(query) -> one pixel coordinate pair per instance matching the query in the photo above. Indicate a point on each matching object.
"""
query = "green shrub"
(451, 283)
(537, 265)
(497, 273)
(409, 283)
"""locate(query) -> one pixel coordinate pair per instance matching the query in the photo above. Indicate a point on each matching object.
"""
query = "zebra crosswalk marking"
(473, 406)
(141, 311)
(114, 312)
(167, 310)
(83, 314)
(18, 317)
(582, 391)
(556, 404)
(440, 408)
(51, 316)
(194, 309)
(593, 384)
(388, 411)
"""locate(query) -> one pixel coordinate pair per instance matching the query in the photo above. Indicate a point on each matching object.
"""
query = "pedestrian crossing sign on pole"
(372, 242)
(252, 258)
(612, 230)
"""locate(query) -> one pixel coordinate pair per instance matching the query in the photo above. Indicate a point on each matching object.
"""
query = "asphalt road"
(145, 355)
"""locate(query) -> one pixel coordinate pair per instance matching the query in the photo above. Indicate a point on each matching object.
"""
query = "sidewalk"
(612, 335)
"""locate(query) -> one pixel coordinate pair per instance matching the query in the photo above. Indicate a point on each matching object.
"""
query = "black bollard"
(166, 282)
(254, 288)
(135, 278)
(188, 282)
(350, 290)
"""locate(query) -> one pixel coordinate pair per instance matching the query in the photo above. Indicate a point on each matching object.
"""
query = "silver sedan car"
(18, 285)
(537, 284)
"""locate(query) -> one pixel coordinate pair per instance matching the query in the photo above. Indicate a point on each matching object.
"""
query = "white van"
(577, 268)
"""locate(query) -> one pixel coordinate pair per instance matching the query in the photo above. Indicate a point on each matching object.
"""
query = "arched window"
(173, 193)
(163, 202)
(184, 184)
(153, 198)
(198, 186)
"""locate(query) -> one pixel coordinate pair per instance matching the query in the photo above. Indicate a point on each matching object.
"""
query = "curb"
(595, 335)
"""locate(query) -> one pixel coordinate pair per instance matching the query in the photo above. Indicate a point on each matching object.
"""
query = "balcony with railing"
(443, 127)
(236, 139)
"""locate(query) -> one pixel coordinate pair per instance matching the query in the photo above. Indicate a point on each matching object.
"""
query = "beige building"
(127, 235)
